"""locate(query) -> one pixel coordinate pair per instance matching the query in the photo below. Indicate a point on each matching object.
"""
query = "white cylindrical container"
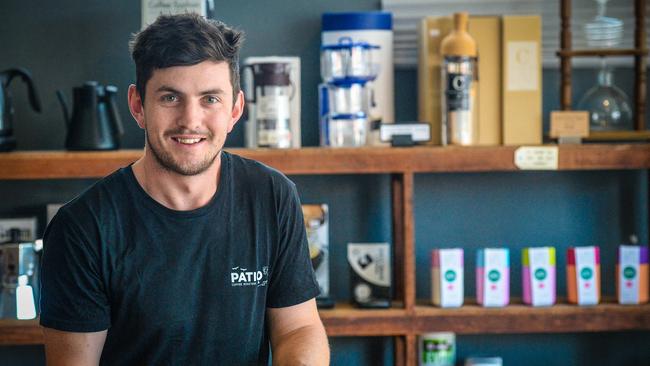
(375, 28)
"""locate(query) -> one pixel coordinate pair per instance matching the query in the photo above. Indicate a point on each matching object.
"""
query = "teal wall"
(66, 42)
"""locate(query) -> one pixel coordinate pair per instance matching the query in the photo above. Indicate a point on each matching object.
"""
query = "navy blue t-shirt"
(178, 287)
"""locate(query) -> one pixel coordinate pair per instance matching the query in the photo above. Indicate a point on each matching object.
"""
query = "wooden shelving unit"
(67, 165)
(407, 318)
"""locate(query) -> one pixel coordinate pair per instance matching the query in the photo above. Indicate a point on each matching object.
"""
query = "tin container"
(632, 274)
(493, 277)
(437, 349)
(539, 276)
(583, 275)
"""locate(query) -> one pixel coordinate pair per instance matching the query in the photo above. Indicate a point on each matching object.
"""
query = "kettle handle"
(110, 92)
(26, 77)
(64, 105)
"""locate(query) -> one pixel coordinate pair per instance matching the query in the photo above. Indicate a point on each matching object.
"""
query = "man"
(191, 255)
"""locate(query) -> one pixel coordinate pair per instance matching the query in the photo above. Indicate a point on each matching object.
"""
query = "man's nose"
(190, 116)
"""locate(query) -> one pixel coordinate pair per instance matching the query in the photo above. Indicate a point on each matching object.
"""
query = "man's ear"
(136, 106)
(237, 110)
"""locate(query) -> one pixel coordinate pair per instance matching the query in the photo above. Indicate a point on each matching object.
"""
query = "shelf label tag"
(537, 157)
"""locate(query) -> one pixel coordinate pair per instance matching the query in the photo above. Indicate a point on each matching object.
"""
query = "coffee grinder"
(273, 101)
(19, 277)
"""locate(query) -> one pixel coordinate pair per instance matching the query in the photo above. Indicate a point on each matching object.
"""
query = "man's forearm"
(303, 346)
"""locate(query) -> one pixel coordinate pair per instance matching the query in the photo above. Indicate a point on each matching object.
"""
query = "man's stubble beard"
(167, 162)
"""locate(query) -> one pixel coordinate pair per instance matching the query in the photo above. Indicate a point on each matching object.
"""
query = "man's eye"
(169, 98)
(211, 99)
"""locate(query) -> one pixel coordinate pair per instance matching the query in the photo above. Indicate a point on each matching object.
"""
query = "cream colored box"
(431, 32)
(522, 80)
(486, 31)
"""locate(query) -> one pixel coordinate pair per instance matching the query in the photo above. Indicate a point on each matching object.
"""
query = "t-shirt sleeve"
(73, 297)
(292, 278)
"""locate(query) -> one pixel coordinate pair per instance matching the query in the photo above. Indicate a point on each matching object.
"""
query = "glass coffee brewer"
(269, 103)
(345, 96)
(19, 274)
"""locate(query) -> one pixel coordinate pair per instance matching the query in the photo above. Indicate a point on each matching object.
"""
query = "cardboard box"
(632, 274)
(583, 275)
(486, 31)
(317, 226)
(370, 274)
(539, 276)
(431, 32)
(493, 277)
(447, 278)
(522, 80)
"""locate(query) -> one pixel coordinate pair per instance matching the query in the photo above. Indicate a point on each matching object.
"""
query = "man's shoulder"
(97, 194)
(256, 172)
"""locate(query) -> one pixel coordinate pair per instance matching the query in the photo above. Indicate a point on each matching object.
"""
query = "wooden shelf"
(603, 52)
(519, 318)
(20, 332)
(314, 160)
(345, 320)
(618, 136)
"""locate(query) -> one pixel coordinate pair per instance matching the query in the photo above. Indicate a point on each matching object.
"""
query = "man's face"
(187, 114)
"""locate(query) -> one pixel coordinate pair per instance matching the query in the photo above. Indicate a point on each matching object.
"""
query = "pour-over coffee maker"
(19, 283)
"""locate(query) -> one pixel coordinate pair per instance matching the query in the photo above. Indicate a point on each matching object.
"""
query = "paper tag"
(451, 277)
(523, 66)
(540, 275)
(495, 277)
(152, 9)
(537, 157)
(628, 276)
(569, 124)
(586, 275)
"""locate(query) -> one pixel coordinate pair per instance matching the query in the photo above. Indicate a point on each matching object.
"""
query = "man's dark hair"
(184, 40)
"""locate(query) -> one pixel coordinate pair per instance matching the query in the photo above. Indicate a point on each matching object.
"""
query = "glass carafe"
(608, 106)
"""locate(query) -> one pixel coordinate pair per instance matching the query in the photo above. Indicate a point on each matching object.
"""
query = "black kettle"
(7, 139)
(95, 122)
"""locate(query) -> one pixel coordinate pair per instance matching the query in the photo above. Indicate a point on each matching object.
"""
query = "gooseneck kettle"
(7, 139)
(94, 123)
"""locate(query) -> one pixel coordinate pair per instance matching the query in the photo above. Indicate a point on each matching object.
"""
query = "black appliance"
(95, 122)
(7, 139)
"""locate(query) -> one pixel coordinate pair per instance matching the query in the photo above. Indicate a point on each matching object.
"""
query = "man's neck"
(173, 190)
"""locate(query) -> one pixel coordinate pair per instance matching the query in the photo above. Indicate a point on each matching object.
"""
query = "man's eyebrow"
(217, 91)
(169, 89)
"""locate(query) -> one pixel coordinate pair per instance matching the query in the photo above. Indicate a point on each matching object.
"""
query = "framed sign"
(151, 9)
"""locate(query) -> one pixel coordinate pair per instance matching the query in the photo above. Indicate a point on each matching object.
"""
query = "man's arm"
(73, 349)
(298, 336)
